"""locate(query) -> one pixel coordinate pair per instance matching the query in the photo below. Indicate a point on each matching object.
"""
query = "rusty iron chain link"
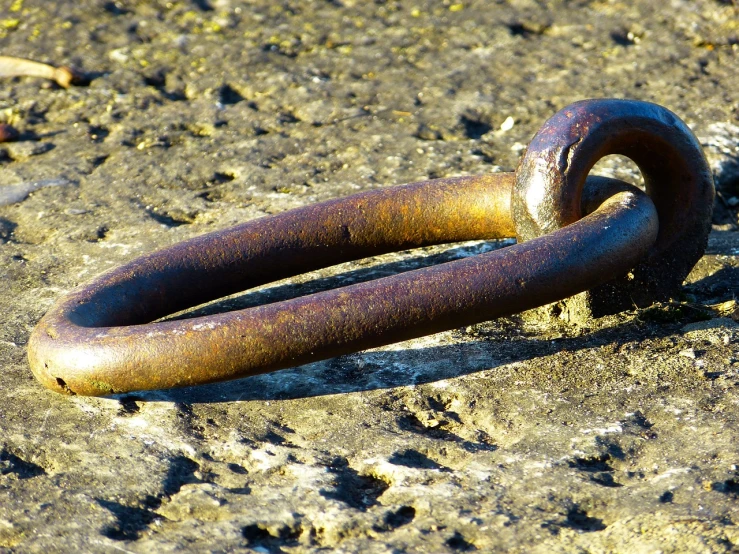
(576, 233)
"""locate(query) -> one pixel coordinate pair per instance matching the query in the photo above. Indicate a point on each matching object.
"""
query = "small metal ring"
(552, 172)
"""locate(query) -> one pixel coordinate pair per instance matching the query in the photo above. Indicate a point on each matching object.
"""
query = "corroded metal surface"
(99, 339)
(93, 341)
(551, 175)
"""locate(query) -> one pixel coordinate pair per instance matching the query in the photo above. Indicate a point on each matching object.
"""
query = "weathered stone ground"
(515, 435)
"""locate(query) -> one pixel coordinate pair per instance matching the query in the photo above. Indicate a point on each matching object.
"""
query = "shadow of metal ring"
(98, 339)
(552, 172)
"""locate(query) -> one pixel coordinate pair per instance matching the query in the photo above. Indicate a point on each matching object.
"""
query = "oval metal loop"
(552, 172)
(98, 340)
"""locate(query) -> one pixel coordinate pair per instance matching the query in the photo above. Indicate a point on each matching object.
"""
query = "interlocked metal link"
(552, 172)
(99, 339)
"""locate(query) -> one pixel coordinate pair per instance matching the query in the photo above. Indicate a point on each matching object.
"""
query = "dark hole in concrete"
(10, 463)
(459, 543)
(474, 128)
(130, 520)
(397, 518)
(580, 520)
(358, 491)
(415, 459)
(229, 95)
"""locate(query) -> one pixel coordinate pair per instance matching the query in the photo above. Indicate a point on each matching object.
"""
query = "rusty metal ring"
(552, 172)
(98, 339)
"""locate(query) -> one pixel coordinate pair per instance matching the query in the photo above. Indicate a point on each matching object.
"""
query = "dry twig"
(18, 67)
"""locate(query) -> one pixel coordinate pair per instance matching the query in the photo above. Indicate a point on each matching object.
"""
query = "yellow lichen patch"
(35, 33)
(212, 27)
(11, 116)
(188, 16)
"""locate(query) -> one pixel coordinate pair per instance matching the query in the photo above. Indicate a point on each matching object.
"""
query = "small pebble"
(733, 201)
(688, 353)
(507, 125)
(119, 55)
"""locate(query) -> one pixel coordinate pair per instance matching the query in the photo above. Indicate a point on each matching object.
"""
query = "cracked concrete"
(516, 435)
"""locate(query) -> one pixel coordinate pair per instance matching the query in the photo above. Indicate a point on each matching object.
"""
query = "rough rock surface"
(517, 435)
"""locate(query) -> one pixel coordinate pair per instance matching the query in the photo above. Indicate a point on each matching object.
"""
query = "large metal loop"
(552, 172)
(98, 340)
